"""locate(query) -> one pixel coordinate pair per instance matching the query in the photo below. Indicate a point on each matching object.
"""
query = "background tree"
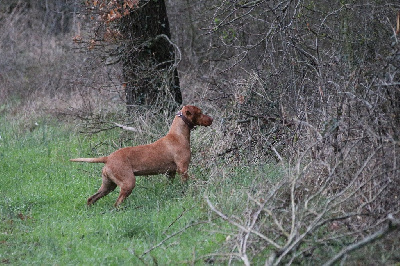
(146, 51)
(149, 63)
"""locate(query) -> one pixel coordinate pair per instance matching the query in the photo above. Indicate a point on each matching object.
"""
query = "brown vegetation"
(311, 86)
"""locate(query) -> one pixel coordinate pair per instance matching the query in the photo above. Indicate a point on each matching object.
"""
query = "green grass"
(45, 220)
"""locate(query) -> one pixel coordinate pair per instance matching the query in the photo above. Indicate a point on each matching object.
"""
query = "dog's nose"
(210, 120)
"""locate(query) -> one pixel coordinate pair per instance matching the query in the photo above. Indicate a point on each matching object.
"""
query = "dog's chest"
(156, 167)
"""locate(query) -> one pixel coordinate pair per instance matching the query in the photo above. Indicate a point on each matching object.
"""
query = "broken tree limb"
(126, 127)
(392, 225)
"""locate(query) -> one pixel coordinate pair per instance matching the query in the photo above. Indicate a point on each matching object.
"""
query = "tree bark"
(149, 66)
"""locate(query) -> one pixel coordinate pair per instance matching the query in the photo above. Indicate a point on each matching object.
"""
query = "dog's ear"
(191, 110)
(188, 111)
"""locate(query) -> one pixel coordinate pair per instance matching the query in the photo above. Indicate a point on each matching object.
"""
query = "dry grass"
(45, 74)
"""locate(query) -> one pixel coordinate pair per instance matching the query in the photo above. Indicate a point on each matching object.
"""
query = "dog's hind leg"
(106, 187)
(126, 180)
(126, 190)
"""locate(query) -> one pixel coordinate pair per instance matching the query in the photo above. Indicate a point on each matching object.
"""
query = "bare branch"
(392, 225)
(177, 60)
(241, 227)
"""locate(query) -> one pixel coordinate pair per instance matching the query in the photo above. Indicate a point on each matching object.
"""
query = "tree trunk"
(149, 66)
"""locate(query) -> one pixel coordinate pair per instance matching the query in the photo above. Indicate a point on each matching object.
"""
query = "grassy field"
(45, 220)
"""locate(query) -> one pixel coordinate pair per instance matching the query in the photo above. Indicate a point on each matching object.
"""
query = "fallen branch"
(177, 218)
(126, 127)
(393, 225)
(170, 236)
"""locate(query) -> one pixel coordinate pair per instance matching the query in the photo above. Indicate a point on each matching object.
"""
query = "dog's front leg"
(171, 175)
(182, 170)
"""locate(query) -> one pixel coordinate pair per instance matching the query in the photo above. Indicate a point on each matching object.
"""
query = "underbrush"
(226, 213)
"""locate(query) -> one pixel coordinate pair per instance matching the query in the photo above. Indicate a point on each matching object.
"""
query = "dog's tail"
(90, 160)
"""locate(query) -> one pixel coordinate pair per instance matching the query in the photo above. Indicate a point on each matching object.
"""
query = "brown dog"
(169, 155)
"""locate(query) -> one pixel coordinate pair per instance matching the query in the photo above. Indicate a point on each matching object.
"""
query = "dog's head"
(195, 116)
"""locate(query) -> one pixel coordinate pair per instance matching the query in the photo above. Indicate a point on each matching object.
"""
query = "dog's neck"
(186, 120)
(180, 127)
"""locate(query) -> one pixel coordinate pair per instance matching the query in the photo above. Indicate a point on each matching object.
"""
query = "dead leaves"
(111, 10)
